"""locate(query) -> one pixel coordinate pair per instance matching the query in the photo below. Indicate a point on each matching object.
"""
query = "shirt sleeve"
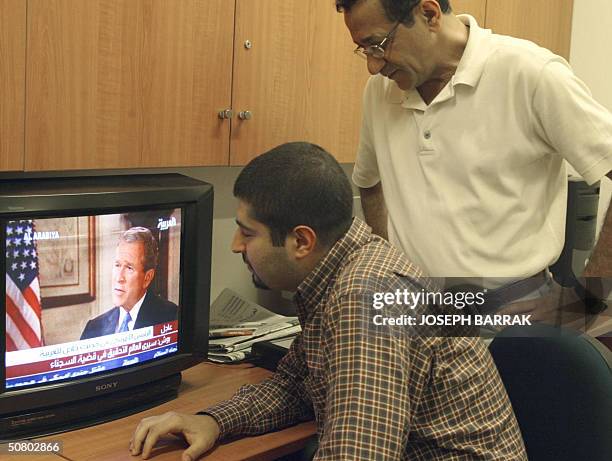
(571, 121)
(365, 172)
(276, 402)
(368, 410)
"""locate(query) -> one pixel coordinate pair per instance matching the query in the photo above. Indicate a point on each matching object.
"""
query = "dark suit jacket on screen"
(154, 310)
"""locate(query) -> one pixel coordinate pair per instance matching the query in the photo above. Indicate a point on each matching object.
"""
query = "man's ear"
(303, 241)
(148, 278)
(432, 12)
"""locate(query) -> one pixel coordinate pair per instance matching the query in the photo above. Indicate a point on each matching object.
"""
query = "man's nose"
(237, 243)
(375, 65)
(120, 275)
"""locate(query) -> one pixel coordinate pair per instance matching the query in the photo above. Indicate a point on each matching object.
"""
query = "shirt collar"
(133, 313)
(475, 55)
(310, 292)
(469, 70)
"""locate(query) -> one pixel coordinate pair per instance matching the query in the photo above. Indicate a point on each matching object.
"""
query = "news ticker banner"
(78, 358)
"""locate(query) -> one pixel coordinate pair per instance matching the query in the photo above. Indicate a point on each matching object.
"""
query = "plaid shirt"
(377, 396)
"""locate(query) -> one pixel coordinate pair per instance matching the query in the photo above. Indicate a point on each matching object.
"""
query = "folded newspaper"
(236, 324)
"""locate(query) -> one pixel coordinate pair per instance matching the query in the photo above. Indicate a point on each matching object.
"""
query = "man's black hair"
(395, 10)
(296, 184)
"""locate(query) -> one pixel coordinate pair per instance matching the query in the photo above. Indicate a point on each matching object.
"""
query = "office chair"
(560, 386)
(580, 224)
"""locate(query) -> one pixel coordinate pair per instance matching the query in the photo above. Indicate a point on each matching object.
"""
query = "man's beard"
(259, 283)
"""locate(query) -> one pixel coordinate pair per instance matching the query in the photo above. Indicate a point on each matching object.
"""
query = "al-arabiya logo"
(165, 224)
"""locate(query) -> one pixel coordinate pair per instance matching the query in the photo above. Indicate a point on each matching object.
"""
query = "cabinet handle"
(245, 115)
(226, 114)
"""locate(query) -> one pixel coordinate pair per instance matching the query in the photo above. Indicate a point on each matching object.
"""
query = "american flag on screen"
(23, 308)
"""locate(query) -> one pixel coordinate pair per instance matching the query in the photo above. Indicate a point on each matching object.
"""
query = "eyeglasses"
(378, 50)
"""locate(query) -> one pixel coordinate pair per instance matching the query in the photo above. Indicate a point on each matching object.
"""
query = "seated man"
(374, 394)
(133, 272)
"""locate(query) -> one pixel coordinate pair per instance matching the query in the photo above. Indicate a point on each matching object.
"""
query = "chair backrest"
(560, 386)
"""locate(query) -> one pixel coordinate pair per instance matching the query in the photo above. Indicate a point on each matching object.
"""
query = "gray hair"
(144, 235)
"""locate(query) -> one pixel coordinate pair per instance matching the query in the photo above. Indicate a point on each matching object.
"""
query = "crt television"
(71, 274)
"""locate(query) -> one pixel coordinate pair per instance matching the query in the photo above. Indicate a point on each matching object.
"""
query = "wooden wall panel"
(12, 83)
(127, 83)
(545, 22)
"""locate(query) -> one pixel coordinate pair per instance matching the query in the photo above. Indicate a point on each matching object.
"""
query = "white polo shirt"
(475, 183)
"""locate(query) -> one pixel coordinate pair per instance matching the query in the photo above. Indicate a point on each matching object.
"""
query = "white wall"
(591, 59)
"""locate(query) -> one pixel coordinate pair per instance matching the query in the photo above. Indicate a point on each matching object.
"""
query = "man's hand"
(200, 431)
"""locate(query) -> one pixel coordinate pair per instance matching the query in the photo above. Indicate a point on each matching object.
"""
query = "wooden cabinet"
(140, 83)
(127, 83)
(299, 79)
(545, 22)
(12, 83)
(477, 8)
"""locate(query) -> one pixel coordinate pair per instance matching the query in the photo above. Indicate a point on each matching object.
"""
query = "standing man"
(133, 271)
(376, 393)
(464, 136)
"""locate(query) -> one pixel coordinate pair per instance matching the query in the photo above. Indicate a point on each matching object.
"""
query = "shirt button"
(427, 134)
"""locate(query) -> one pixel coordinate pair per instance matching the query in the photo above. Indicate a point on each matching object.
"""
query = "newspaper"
(236, 324)
(230, 357)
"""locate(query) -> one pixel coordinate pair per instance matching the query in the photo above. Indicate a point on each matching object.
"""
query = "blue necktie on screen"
(124, 325)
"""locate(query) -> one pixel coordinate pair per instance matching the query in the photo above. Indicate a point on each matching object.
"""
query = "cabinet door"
(12, 83)
(476, 8)
(545, 22)
(127, 83)
(297, 76)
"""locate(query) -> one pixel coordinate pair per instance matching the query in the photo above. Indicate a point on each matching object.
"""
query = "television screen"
(106, 296)
(64, 321)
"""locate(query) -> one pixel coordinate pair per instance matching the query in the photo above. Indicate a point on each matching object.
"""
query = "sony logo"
(104, 387)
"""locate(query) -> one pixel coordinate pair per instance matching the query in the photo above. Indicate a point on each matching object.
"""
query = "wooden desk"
(202, 386)
(39, 457)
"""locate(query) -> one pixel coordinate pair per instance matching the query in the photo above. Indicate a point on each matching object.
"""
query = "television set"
(79, 253)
